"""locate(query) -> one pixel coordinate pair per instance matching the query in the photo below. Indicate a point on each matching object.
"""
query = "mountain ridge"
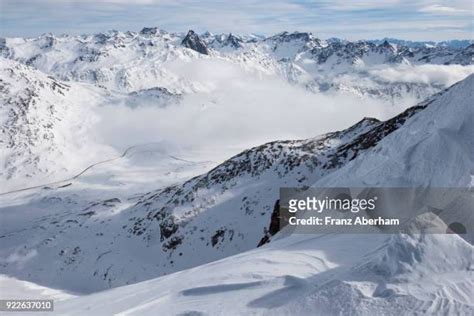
(133, 61)
(223, 212)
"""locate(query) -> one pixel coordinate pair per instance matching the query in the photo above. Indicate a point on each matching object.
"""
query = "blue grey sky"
(358, 19)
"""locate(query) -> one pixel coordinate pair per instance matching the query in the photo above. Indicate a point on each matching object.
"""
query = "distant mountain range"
(416, 44)
(133, 61)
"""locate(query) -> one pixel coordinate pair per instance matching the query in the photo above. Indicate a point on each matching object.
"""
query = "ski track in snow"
(123, 155)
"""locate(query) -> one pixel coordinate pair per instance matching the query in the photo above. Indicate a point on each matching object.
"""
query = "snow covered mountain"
(91, 200)
(44, 124)
(78, 240)
(131, 61)
(418, 44)
(48, 127)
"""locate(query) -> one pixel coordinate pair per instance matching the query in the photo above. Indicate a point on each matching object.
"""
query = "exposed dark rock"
(111, 202)
(168, 227)
(193, 42)
(275, 225)
(233, 41)
(172, 243)
(288, 37)
(90, 213)
(218, 235)
(149, 31)
(371, 138)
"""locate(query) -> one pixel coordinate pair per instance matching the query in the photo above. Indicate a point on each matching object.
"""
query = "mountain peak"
(233, 41)
(192, 41)
(149, 31)
(386, 44)
(295, 36)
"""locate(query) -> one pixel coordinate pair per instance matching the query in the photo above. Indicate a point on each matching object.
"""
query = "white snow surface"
(309, 275)
(82, 247)
(336, 273)
(156, 228)
(11, 288)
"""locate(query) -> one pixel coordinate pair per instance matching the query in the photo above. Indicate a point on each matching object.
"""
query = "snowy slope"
(11, 288)
(309, 275)
(337, 273)
(435, 149)
(44, 125)
(120, 239)
(111, 239)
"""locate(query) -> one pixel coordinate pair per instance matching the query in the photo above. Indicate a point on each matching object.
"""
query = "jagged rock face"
(193, 42)
(149, 31)
(288, 37)
(274, 227)
(233, 41)
(230, 43)
(352, 52)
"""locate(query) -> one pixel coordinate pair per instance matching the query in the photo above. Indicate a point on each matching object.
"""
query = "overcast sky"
(405, 19)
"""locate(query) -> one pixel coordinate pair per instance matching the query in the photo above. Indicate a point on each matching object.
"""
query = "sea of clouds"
(238, 108)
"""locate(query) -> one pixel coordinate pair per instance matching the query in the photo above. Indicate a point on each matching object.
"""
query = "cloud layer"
(438, 75)
(241, 109)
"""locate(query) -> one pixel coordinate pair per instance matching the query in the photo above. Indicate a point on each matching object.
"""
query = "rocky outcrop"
(193, 42)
